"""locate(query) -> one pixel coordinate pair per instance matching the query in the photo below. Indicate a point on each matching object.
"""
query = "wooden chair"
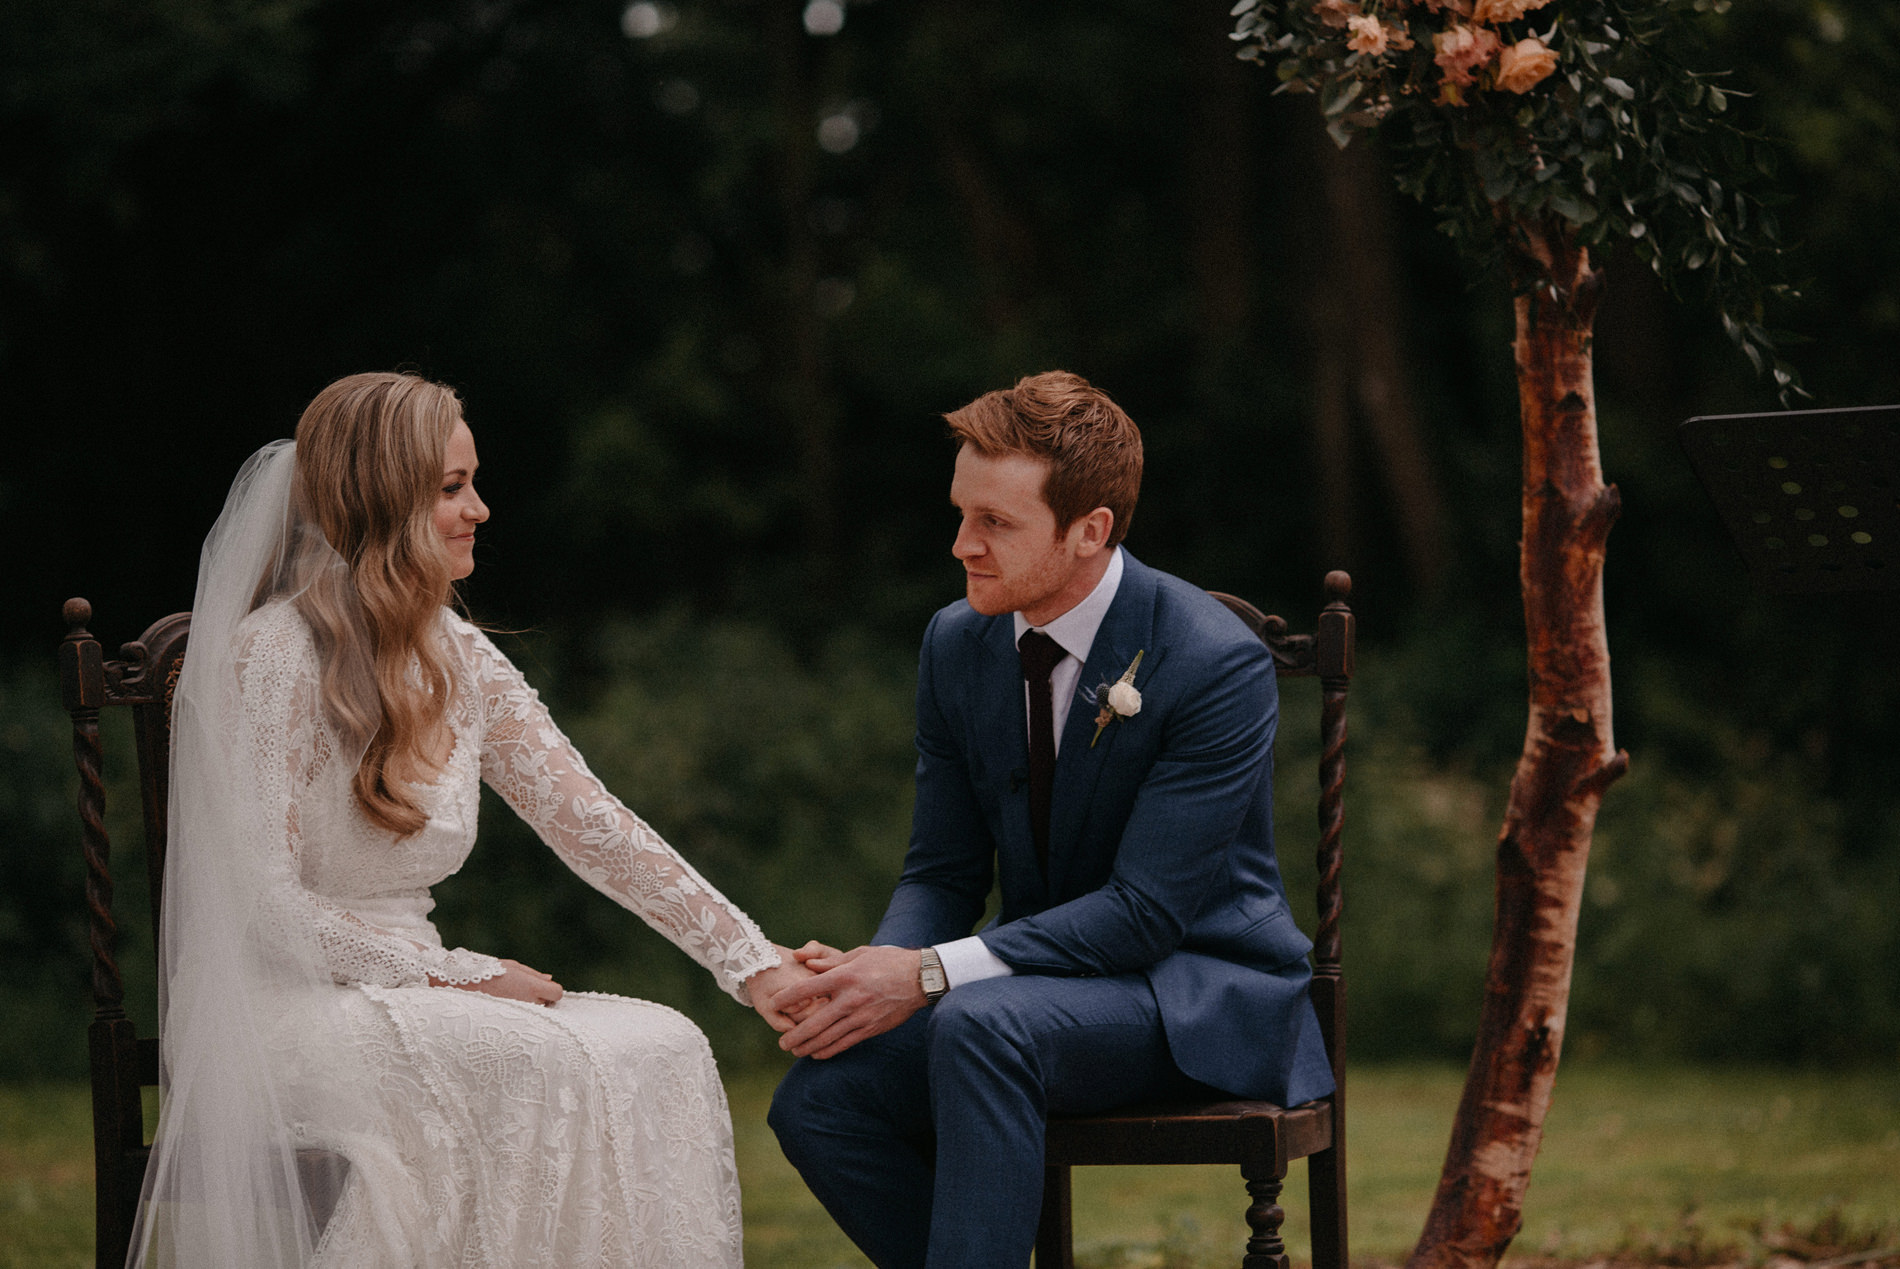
(1260, 1137)
(124, 1062)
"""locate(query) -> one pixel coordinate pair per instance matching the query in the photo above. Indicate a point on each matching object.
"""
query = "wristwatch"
(930, 975)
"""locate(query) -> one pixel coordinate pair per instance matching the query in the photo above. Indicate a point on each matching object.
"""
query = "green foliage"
(116, 71)
(1594, 121)
(45, 994)
(1817, 72)
(1735, 909)
(88, 80)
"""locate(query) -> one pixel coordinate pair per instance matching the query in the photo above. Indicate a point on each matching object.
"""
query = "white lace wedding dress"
(482, 1131)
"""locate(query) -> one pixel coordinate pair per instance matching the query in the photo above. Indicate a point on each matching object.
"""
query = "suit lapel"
(1127, 628)
(998, 712)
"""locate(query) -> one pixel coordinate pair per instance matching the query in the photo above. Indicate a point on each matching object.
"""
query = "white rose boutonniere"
(1121, 700)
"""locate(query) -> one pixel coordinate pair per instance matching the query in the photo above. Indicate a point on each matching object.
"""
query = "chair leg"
(1055, 1247)
(1326, 1193)
(1264, 1218)
(118, 1132)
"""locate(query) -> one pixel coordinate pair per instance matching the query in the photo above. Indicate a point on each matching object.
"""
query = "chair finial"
(77, 613)
(1338, 586)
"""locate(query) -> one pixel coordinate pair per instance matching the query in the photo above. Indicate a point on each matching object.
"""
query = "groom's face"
(1013, 558)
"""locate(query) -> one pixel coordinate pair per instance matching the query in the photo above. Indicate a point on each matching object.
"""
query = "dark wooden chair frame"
(124, 1063)
(1260, 1137)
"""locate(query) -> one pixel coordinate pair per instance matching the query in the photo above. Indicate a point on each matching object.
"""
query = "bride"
(331, 727)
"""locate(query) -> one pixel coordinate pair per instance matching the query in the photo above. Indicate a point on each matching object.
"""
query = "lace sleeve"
(536, 770)
(295, 769)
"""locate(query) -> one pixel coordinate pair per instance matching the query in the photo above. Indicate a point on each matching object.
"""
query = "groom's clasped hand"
(845, 997)
(767, 986)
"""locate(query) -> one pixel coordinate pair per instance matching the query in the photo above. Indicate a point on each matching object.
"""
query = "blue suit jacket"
(1160, 838)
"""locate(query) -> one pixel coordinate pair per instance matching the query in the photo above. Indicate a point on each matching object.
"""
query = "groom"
(1143, 946)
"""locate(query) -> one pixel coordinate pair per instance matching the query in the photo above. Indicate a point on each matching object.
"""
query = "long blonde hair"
(370, 450)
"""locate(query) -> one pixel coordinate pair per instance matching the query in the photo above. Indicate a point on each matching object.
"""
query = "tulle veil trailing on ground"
(222, 1188)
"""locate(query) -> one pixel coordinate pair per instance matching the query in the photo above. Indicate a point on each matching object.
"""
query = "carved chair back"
(124, 1063)
(142, 679)
(1260, 1137)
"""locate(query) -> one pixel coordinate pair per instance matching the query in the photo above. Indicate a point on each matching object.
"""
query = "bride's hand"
(516, 982)
(813, 950)
(767, 983)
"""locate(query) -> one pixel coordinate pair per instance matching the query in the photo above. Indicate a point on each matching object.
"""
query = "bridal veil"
(222, 1189)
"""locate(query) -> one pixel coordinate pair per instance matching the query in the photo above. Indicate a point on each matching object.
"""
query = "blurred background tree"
(706, 273)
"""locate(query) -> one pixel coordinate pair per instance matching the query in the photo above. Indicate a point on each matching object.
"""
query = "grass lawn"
(1676, 1165)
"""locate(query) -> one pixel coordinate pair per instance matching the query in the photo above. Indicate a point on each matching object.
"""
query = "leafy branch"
(1508, 114)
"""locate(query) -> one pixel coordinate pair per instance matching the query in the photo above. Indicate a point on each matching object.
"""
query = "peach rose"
(1461, 50)
(1367, 35)
(1495, 11)
(1524, 65)
(1336, 13)
(1460, 7)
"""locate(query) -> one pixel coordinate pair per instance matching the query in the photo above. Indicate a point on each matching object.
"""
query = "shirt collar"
(1075, 629)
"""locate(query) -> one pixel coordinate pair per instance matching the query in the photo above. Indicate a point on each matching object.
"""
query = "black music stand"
(1811, 498)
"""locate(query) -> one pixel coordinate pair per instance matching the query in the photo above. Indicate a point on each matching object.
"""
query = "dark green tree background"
(707, 279)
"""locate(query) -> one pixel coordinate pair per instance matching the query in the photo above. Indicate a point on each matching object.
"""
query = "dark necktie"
(1039, 655)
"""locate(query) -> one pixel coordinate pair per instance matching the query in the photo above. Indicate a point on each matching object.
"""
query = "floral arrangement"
(1504, 113)
(1463, 45)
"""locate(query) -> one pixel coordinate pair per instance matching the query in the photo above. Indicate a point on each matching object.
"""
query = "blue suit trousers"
(926, 1143)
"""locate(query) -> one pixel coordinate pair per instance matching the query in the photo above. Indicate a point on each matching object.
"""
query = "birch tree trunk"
(1569, 759)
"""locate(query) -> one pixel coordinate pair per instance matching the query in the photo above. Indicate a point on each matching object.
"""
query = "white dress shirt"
(968, 960)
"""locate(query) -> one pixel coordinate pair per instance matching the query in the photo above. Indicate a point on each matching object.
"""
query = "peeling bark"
(1569, 759)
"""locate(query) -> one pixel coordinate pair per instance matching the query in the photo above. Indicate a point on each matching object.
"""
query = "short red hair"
(1093, 449)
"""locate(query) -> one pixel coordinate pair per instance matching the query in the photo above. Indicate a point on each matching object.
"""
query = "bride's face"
(458, 509)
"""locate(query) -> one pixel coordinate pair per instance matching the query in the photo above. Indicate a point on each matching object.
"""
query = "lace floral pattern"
(494, 1133)
(537, 771)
